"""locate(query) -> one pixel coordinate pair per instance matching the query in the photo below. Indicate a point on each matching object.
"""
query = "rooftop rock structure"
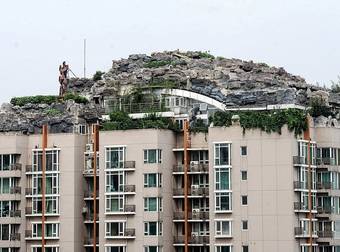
(233, 82)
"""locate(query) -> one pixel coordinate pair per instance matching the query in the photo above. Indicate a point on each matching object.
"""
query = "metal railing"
(199, 239)
(29, 168)
(200, 191)
(28, 210)
(15, 213)
(129, 188)
(324, 209)
(15, 167)
(192, 168)
(325, 234)
(324, 185)
(122, 165)
(326, 161)
(15, 190)
(130, 208)
(89, 193)
(130, 232)
(14, 237)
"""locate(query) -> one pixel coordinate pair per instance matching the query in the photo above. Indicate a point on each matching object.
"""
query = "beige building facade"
(248, 191)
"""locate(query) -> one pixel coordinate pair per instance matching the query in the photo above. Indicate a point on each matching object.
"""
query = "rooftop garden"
(120, 120)
(47, 99)
(268, 121)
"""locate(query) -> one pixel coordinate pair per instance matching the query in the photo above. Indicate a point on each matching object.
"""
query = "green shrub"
(39, 99)
(199, 126)
(53, 112)
(97, 76)
(76, 98)
(121, 121)
(206, 55)
(319, 107)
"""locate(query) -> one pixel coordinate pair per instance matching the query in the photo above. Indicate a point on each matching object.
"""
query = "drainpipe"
(43, 182)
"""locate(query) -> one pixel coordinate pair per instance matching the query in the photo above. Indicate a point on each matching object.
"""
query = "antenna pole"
(84, 58)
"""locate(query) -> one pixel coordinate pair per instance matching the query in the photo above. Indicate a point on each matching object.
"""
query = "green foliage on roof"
(268, 121)
(120, 120)
(38, 99)
(76, 98)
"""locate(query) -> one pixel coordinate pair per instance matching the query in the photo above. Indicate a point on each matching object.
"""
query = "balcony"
(326, 161)
(193, 240)
(325, 234)
(15, 213)
(15, 190)
(88, 217)
(300, 185)
(129, 233)
(194, 215)
(15, 167)
(192, 168)
(324, 185)
(324, 209)
(128, 165)
(29, 168)
(28, 210)
(300, 232)
(28, 191)
(298, 206)
(14, 237)
(129, 208)
(88, 194)
(129, 188)
(297, 160)
(193, 192)
(89, 241)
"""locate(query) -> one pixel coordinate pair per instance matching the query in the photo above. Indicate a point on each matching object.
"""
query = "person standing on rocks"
(63, 78)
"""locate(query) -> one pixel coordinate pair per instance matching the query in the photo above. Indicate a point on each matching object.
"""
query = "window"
(6, 184)
(152, 249)
(244, 225)
(153, 180)
(47, 249)
(115, 157)
(224, 248)
(5, 208)
(153, 228)
(223, 228)
(52, 160)
(51, 230)
(114, 229)
(244, 200)
(222, 177)
(115, 249)
(222, 154)
(153, 204)
(243, 150)
(114, 181)
(6, 161)
(245, 248)
(244, 175)
(5, 230)
(114, 203)
(223, 201)
(52, 205)
(152, 156)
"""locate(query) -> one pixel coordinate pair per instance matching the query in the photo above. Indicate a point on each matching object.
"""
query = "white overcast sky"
(303, 36)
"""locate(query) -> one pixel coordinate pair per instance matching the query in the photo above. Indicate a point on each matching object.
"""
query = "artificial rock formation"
(234, 82)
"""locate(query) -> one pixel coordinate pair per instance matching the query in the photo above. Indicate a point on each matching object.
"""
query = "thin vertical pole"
(95, 150)
(84, 58)
(186, 204)
(43, 200)
(310, 184)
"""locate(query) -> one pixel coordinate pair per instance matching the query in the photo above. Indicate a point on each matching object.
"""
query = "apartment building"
(239, 191)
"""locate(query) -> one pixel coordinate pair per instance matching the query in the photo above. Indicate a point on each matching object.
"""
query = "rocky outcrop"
(231, 81)
(234, 82)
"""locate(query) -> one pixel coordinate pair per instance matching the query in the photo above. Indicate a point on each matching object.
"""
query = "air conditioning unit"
(89, 148)
(195, 186)
(196, 210)
(194, 234)
(194, 162)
